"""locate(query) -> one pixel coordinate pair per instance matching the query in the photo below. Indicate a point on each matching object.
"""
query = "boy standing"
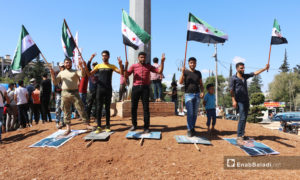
(210, 106)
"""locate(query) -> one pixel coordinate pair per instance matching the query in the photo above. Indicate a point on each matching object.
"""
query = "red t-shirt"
(141, 73)
(83, 84)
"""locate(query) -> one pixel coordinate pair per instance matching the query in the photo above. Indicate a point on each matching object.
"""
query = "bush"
(256, 110)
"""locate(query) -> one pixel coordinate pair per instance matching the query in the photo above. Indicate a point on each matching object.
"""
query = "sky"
(248, 24)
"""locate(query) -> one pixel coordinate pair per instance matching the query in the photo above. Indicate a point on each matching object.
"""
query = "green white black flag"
(276, 34)
(26, 51)
(67, 41)
(133, 35)
(201, 31)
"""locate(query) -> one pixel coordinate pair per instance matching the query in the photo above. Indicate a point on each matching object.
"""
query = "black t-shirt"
(192, 81)
(46, 88)
(174, 92)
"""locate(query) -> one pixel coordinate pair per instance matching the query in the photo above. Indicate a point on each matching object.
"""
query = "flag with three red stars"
(26, 51)
(199, 30)
(133, 35)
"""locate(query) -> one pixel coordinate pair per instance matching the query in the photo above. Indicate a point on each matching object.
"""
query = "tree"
(255, 112)
(285, 87)
(285, 66)
(255, 85)
(222, 93)
(297, 69)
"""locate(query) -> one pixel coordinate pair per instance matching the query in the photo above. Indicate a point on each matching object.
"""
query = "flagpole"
(269, 56)
(185, 53)
(73, 39)
(41, 53)
(125, 53)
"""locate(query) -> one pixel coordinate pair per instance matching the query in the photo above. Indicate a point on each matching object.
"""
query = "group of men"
(102, 88)
(22, 105)
(99, 77)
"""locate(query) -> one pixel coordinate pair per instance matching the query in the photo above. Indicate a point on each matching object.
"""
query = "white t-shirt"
(21, 95)
(10, 94)
(3, 90)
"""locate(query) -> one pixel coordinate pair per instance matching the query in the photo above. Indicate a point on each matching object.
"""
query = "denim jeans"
(1, 120)
(192, 101)
(243, 108)
(156, 85)
(211, 114)
(175, 100)
(58, 108)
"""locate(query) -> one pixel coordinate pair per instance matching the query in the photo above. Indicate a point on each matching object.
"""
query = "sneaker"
(60, 126)
(189, 133)
(107, 130)
(146, 131)
(246, 138)
(57, 125)
(193, 132)
(98, 130)
(239, 141)
(133, 128)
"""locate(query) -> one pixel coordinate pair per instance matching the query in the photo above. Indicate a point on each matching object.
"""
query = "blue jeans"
(211, 114)
(1, 120)
(156, 85)
(192, 101)
(176, 105)
(243, 108)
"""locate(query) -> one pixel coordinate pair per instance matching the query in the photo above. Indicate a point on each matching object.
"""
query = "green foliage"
(224, 96)
(297, 69)
(285, 65)
(285, 87)
(257, 99)
(256, 110)
(255, 113)
(255, 85)
(163, 90)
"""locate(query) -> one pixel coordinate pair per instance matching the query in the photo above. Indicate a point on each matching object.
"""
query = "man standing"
(192, 80)
(104, 87)
(3, 97)
(70, 95)
(141, 90)
(156, 82)
(240, 98)
(92, 88)
(45, 97)
(58, 104)
(83, 86)
(21, 97)
(30, 88)
(12, 110)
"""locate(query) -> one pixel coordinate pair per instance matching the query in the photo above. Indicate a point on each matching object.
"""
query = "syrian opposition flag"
(25, 52)
(276, 34)
(133, 35)
(200, 31)
(76, 53)
(67, 41)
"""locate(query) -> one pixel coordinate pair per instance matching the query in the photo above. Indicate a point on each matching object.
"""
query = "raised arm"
(87, 68)
(181, 79)
(55, 80)
(262, 70)
(161, 68)
(121, 70)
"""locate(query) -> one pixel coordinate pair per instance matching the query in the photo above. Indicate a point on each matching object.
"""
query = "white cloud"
(238, 59)
(205, 71)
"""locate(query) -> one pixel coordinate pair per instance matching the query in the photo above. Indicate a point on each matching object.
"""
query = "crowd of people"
(21, 105)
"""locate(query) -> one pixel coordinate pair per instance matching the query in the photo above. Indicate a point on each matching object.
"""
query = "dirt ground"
(120, 158)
